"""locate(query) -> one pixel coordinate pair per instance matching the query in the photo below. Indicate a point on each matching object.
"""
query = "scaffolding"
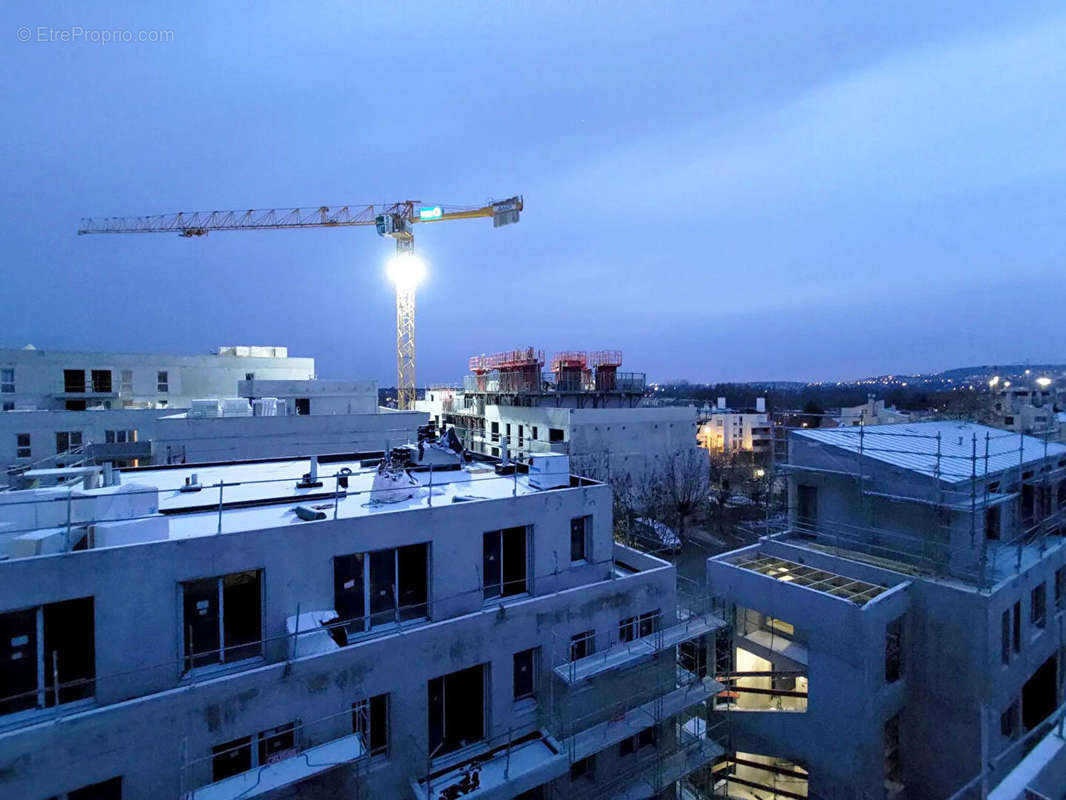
(661, 718)
(962, 484)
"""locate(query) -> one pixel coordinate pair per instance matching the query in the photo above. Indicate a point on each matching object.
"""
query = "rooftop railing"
(72, 511)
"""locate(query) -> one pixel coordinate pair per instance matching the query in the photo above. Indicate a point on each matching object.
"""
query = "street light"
(1043, 382)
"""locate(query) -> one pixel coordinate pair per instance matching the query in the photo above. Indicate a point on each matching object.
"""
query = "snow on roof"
(914, 446)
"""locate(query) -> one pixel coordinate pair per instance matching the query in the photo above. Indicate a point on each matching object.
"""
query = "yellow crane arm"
(389, 218)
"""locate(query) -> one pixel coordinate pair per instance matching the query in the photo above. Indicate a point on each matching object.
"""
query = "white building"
(603, 426)
(52, 379)
(733, 431)
(872, 412)
(273, 629)
(1027, 409)
(314, 397)
(224, 429)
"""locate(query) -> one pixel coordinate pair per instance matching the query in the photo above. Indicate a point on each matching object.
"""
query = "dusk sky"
(724, 191)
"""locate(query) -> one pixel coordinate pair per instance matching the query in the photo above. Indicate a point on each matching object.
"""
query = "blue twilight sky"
(725, 191)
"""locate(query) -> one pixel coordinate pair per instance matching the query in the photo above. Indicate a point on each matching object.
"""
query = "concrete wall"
(838, 737)
(185, 440)
(146, 714)
(324, 397)
(234, 438)
(39, 375)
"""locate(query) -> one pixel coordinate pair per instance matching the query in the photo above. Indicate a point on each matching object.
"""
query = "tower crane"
(395, 220)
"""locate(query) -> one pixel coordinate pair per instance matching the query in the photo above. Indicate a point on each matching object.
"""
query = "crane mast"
(394, 220)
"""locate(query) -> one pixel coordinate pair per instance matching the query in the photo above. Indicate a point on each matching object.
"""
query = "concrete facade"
(55, 379)
(151, 717)
(956, 647)
(315, 397)
(601, 442)
(152, 437)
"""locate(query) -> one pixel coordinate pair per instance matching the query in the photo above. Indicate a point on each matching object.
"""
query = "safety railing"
(73, 510)
(203, 666)
(281, 756)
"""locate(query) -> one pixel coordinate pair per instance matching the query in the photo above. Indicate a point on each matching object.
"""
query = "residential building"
(734, 431)
(903, 628)
(228, 429)
(348, 629)
(584, 407)
(32, 379)
(1041, 774)
(1027, 409)
(872, 412)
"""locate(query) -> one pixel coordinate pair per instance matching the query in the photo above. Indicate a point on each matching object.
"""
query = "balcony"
(501, 772)
(624, 654)
(625, 724)
(293, 767)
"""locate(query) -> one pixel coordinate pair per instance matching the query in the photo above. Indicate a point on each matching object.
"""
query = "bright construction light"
(1043, 383)
(760, 473)
(406, 270)
(994, 380)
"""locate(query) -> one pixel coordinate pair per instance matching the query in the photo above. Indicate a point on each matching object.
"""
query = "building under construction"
(584, 407)
(403, 625)
(898, 632)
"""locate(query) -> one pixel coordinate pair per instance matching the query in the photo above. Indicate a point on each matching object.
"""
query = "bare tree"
(681, 483)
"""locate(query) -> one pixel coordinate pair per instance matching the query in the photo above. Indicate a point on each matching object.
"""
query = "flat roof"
(832, 583)
(268, 493)
(942, 449)
(261, 495)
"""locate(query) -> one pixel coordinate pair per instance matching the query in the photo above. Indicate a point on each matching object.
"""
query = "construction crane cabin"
(395, 220)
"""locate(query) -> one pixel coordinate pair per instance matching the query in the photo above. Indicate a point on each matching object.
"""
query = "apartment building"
(872, 412)
(734, 431)
(905, 626)
(1028, 409)
(32, 379)
(584, 408)
(296, 418)
(342, 629)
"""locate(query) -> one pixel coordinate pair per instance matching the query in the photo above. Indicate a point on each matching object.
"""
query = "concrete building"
(733, 431)
(313, 397)
(872, 412)
(584, 408)
(1027, 409)
(342, 630)
(144, 437)
(1041, 774)
(51, 379)
(905, 627)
